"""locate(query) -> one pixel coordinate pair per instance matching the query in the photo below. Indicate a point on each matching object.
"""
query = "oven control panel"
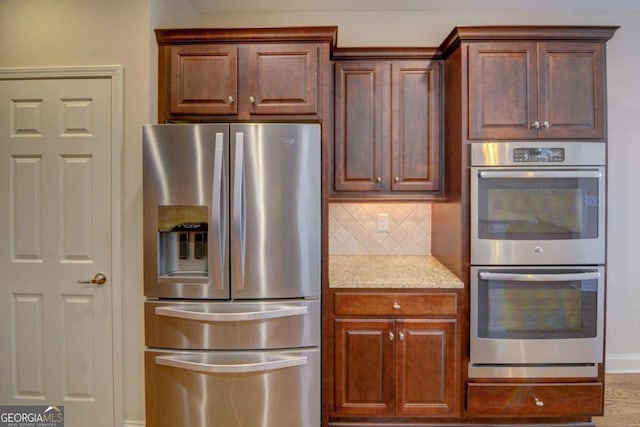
(538, 155)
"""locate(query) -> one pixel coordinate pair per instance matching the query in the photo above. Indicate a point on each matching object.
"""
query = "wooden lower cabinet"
(534, 400)
(396, 366)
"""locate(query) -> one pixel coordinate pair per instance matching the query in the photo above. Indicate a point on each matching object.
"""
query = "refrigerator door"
(185, 186)
(275, 210)
(233, 389)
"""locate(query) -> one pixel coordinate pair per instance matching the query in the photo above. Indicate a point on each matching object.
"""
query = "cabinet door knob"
(252, 100)
(545, 124)
(535, 125)
(396, 306)
(378, 179)
(539, 402)
(397, 179)
(401, 336)
(230, 99)
(391, 336)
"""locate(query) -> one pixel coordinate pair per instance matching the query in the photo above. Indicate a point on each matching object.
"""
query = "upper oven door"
(537, 215)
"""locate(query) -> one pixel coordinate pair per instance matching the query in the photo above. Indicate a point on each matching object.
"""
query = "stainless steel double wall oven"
(537, 259)
(232, 237)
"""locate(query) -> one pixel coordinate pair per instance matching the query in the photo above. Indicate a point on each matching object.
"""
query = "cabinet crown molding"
(511, 33)
(174, 36)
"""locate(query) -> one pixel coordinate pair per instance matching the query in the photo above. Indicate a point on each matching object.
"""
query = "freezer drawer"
(232, 325)
(227, 389)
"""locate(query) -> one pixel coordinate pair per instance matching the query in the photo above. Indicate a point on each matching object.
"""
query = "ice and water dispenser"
(182, 241)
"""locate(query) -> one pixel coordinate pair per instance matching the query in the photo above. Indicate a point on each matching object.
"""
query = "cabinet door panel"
(502, 90)
(571, 82)
(415, 143)
(359, 126)
(426, 367)
(363, 367)
(283, 78)
(204, 79)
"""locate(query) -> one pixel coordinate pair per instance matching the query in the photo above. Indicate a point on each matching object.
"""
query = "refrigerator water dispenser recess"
(182, 241)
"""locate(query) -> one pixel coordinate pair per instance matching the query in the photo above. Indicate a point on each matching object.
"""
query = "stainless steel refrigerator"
(232, 238)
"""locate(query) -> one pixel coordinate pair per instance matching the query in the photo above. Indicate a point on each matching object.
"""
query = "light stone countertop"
(390, 271)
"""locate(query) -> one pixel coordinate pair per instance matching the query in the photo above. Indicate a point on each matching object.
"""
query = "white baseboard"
(622, 363)
(133, 423)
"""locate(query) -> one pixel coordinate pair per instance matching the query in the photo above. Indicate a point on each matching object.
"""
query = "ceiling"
(217, 6)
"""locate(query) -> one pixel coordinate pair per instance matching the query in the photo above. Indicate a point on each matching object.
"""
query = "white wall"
(35, 33)
(429, 28)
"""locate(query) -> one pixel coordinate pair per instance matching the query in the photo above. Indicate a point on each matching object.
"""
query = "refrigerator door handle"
(246, 315)
(217, 214)
(238, 238)
(176, 361)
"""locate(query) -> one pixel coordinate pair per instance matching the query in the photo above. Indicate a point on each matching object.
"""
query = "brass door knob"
(99, 279)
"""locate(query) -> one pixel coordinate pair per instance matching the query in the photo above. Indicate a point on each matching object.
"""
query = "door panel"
(283, 79)
(359, 126)
(364, 366)
(502, 90)
(204, 79)
(275, 211)
(415, 124)
(185, 178)
(55, 143)
(426, 367)
(572, 98)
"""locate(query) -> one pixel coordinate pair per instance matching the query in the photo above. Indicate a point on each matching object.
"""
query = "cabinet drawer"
(535, 400)
(395, 303)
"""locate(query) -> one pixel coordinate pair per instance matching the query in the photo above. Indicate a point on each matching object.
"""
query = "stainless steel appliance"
(536, 321)
(537, 203)
(537, 259)
(232, 235)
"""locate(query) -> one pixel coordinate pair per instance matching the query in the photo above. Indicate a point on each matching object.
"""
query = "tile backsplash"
(353, 229)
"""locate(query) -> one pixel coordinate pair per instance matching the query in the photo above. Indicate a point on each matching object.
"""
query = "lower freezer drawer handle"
(211, 368)
(279, 311)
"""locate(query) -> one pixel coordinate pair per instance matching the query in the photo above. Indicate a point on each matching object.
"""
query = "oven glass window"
(537, 310)
(537, 208)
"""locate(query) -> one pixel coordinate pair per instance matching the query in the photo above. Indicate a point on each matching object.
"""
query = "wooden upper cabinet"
(230, 74)
(415, 126)
(359, 126)
(571, 82)
(536, 90)
(283, 79)
(388, 132)
(203, 79)
(502, 90)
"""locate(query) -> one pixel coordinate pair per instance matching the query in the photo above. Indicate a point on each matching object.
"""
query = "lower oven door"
(537, 315)
(228, 389)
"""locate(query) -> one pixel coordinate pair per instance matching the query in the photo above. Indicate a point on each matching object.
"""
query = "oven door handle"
(214, 368)
(518, 277)
(240, 316)
(540, 174)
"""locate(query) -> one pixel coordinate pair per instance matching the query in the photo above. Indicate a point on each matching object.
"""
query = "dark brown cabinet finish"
(535, 400)
(399, 365)
(364, 366)
(387, 127)
(229, 74)
(282, 79)
(203, 79)
(536, 90)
